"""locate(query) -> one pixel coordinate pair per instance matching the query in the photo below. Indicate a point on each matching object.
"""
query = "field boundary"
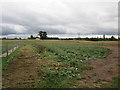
(9, 52)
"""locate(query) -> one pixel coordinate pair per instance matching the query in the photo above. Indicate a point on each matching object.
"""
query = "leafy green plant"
(70, 55)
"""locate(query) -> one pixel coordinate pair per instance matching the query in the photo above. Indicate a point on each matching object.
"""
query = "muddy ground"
(23, 71)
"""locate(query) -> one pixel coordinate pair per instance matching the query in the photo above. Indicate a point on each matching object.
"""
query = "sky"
(62, 18)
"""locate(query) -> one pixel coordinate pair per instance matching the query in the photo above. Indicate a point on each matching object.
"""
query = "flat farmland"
(61, 64)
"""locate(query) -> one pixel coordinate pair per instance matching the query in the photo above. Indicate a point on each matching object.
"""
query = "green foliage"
(31, 37)
(70, 52)
(70, 56)
(115, 83)
(53, 78)
(42, 34)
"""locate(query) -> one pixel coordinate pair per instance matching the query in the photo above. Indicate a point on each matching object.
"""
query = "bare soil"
(103, 72)
(23, 71)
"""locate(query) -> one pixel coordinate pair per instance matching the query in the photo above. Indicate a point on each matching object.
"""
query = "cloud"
(60, 17)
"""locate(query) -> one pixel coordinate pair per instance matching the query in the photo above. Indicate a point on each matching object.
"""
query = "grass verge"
(7, 59)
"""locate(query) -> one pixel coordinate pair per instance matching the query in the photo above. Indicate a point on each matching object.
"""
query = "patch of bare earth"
(23, 70)
(103, 72)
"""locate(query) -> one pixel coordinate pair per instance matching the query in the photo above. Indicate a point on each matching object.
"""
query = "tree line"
(42, 35)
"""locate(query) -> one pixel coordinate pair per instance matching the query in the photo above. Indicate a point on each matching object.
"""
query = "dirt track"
(23, 71)
(103, 72)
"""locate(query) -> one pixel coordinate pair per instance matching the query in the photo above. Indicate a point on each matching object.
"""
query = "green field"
(65, 59)
(70, 61)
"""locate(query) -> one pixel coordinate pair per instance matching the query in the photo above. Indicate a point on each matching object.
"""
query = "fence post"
(13, 47)
(7, 49)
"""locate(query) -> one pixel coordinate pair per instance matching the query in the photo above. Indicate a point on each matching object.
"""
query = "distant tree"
(42, 34)
(94, 39)
(28, 38)
(4, 38)
(87, 38)
(113, 38)
(118, 38)
(52, 38)
(20, 38)
(31, 37)
(78, 38)
(15, 38)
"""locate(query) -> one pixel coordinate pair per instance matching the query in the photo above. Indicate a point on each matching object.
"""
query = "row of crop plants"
(71, 62)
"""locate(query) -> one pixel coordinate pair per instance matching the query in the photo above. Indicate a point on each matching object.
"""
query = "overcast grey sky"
(59, 17)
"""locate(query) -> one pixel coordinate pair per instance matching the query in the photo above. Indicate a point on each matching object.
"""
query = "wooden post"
(12, 48)
(7, 49)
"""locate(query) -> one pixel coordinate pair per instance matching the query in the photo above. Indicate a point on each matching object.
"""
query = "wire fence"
(8, 47)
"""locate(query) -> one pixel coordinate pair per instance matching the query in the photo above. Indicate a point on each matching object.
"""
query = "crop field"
(60, 64)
